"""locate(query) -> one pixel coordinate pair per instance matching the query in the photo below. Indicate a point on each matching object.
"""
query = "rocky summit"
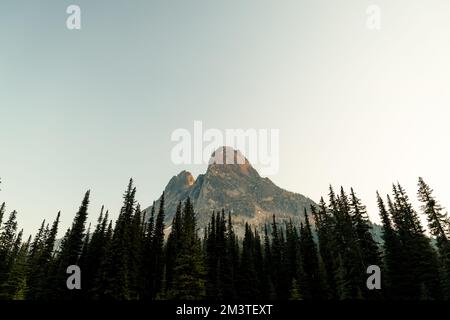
(237, 188)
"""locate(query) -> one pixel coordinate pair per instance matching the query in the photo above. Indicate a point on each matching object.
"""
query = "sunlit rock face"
(236, 187)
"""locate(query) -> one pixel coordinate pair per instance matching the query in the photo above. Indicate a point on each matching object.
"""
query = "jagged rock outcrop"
(237, 188)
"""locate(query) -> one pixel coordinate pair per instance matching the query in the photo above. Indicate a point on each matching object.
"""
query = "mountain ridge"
(237, 188)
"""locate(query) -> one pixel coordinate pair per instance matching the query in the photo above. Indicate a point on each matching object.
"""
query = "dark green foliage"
(40, 279)
(419, 260)
(2, 212)
(8, 245)
(15, 285)
(140, 259)
(69, 253)
(324, 226)
(94, 252)
(216, 255)
(280, 281)
(230, 261)
(116, 279)
(295, 291)
(310, 261)
(188, 270)
(368, 249)
(173, 246)
(438, 224)
(269, 292)
(248, 286)
(157, 268)
(348, 264)
(392, 253)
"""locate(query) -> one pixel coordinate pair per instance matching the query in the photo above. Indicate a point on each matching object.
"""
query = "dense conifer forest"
(138, 257)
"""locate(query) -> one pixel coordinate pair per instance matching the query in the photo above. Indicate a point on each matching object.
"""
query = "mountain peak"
(226, 159)
(231, 183)
(227, 155)
(181, 181)
(186, 177)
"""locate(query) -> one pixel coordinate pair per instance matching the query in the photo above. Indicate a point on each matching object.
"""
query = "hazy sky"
(89, 109)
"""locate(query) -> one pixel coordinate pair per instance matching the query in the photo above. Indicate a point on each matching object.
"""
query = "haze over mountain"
(236, 187)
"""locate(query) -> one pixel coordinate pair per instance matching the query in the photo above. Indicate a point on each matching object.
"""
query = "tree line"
(324, 257)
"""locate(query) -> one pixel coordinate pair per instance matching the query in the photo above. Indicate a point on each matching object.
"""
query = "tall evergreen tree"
(95, 251)
(348, 265)
(248, 281)
(231, 261)
(101, 284)
(214, 239)
(189, 272)
(391, 253)
(158, 250)
(259, 266)
(2, 212)
(309, 259)
(16, 283)
(269, 293)
(292, 258)
(7, 244)
(280, 281)
(70, 251)
(324, 225)
(39, 277)
(172, 248)
(438, 224)
(368, 247)
(420, 260)
(135, 250)
(147, 258)
(117, 281)
(83, 263)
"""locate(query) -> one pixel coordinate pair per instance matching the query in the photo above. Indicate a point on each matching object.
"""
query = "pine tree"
(214, 253)
(101, 279)
(309, 259)
(83, 263)
(292, 259)
(70, 251)
(39, 278)
(188, 281)
(147, 259)
(172, 248)
(368, 247)
(391, 253)
(2, 212)
(420, 261)
(7, 243)
(94, 254)
(158, 250)
(231, 261)
(269, 293)
(281, 281)
(259, 266)
(150, 225)
(135, 250)
(438, 224)
(116, 267)
(303, 280)
(74, 242)
(324, 225)
(38, 241)
(348, 265)
(16, 284)
(248, 281)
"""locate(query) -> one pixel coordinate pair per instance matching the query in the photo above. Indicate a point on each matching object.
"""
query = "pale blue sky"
(91, 108)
